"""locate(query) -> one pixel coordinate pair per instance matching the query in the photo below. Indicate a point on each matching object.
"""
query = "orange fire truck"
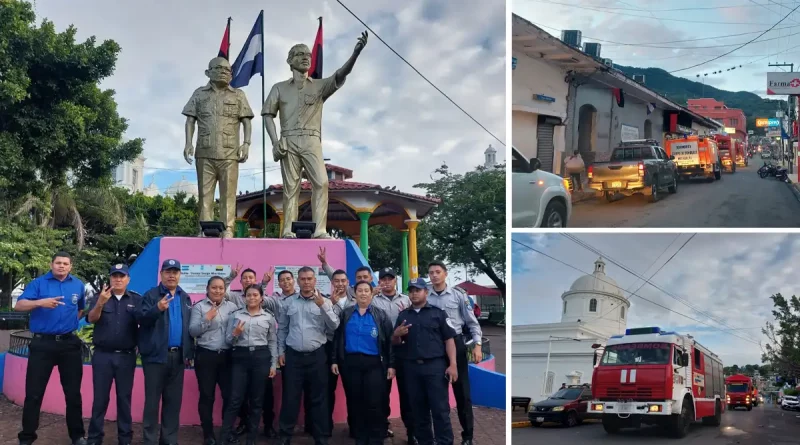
(695, 156)
(649, 376)
(731, 152)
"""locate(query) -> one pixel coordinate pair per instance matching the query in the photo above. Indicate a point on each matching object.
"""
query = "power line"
(685, 302)
(740, 47)
(635, 295)
(420, 74)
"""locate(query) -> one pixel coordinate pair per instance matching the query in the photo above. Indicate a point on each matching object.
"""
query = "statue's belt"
(300, 133)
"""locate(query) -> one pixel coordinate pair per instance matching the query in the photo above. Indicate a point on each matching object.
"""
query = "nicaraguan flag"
(650, 107)
(251, 58)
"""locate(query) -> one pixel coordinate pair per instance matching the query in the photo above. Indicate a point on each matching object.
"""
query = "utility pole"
(792, 114)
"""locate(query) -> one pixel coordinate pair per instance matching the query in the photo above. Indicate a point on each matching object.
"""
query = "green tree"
(57, 127)
(782, 350)
(25, 252)
(469, 226)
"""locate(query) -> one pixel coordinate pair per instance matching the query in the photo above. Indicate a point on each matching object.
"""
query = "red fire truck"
(740, 392)
(731, 151)
(649, 376)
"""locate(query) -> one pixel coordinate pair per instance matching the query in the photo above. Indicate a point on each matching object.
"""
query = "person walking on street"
(424, 341)
(114, 357)
(575, 168)
(252, 332)
(363, 356)
(303, 325)
(212, 362)
(55, 301)
(166, 349)
(392, 302)
(459, 312)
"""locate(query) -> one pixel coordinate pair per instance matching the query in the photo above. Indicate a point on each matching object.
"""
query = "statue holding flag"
(218, 109)
(298, 102)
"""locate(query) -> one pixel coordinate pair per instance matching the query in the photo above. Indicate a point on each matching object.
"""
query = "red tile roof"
(476, 289)
(352, 185)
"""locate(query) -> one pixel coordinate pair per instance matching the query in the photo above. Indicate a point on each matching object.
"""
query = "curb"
(795, 188)
(524, 424)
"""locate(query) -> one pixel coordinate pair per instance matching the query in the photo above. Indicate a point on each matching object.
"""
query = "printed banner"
(323, 282)
(194, 277)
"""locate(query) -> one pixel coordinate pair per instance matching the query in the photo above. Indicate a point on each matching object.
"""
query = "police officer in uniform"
(392, 302)
(459, 311)
(55, 302)
(114, 357)
(303, 327)
(363, 273)
(424, 340)
(212, 363)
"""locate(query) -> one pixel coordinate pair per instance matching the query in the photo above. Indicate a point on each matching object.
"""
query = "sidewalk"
(490, 429)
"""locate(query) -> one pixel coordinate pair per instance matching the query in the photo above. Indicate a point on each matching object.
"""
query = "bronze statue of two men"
(217, 110)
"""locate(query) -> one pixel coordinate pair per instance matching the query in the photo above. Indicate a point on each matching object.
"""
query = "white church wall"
(528, 374)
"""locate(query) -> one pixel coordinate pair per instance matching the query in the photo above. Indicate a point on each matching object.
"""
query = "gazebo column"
(404, 250)
(364, 237)
(412, 248)
(280, 228)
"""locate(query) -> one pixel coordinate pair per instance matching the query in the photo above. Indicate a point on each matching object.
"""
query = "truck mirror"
(672, 158)
(685, 358)
(536, 164)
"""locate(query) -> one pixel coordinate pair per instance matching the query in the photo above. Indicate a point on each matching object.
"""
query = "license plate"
(616, 184)
(625, 407)
(540, 419)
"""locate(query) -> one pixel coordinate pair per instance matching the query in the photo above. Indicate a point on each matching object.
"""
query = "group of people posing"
(237, 340)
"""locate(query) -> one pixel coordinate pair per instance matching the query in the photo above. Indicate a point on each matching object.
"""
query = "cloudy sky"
(676, 34)
(729, 277)
(385, 115)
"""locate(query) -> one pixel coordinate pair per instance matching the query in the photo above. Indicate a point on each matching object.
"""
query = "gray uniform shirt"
(303, 326)
(259, 330)
(391, 305)
(456, 304)
(350, 293)
(210, 334)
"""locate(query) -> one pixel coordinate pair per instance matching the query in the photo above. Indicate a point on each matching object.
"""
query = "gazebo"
(352, 208)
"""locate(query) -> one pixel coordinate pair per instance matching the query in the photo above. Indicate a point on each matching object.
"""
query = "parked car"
(790, 403)
(569, 406)
(538, 198)
(640, 166)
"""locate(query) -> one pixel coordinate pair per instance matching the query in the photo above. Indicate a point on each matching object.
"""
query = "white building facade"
(130, 175)
(546, 355)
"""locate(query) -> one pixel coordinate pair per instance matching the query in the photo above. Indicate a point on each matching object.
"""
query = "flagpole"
(263, 131)
(229, 39)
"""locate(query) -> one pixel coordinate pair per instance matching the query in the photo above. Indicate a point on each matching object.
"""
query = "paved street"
(497, 335)
(762, 426)
(741, 199)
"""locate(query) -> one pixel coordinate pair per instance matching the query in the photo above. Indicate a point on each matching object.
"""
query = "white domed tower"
(490, 157)
(596, 301)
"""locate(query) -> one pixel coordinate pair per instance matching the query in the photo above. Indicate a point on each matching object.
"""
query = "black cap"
(387, 272)
(118, 268)
(170, 264)
(419, 283)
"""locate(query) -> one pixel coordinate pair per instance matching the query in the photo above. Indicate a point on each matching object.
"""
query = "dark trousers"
(365, 388)
(305, 372)
(426, 385)
(405, 405)
(250, 372)
(463, 391)
(163, 382)
(213, 368)
(46, 353)
(107, 367)
(333, 382)
(268, 407)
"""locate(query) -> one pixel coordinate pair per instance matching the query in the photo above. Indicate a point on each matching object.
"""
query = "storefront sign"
(783, 84)
(768, 122)
(629, 133)
(774, 134)
(730, 130)
(543, 98)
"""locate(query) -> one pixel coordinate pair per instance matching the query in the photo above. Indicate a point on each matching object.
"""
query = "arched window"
(593, 305)
(622, 312)
(565, 307)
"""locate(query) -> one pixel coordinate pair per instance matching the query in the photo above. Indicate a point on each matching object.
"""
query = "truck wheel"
(733, 168)
(536, 424)
(717, 419)
(749, 407)
(610, 196)
(718, 174)
(610, 424)
(730, 407)
(555, 216)
(654, 196)
(674, 187)
(680, 423)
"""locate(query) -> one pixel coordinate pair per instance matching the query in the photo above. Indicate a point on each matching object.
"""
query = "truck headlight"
(654, 408)
(597, 407)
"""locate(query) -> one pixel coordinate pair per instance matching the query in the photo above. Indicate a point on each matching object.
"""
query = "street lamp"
(549, 351)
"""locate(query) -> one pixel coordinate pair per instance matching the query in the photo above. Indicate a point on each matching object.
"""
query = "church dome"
(151, 190)
(184, 186)
(598, 282)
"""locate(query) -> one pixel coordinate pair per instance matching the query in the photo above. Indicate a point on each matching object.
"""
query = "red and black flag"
(315, 72)
(619, 95)
(225, 46)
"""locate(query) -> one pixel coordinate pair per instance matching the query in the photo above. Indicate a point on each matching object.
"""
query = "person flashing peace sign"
(166, 348)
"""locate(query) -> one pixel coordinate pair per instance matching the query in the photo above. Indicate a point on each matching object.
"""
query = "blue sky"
(694, 32)
(727, 277)
(384, 115)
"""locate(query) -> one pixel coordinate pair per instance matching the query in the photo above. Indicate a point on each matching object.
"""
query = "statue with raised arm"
(298, 102)
(217, 108)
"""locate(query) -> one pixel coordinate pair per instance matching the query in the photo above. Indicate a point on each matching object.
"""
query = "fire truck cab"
(740, 392)
(649, 376)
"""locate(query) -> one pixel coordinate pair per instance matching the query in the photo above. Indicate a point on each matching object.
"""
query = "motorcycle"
(782, 174)
(778, 172)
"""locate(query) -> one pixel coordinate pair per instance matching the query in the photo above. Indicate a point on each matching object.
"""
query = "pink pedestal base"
(14, 389)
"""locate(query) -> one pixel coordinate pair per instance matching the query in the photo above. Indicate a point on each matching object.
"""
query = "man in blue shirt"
(55, 302)
(166, 348)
